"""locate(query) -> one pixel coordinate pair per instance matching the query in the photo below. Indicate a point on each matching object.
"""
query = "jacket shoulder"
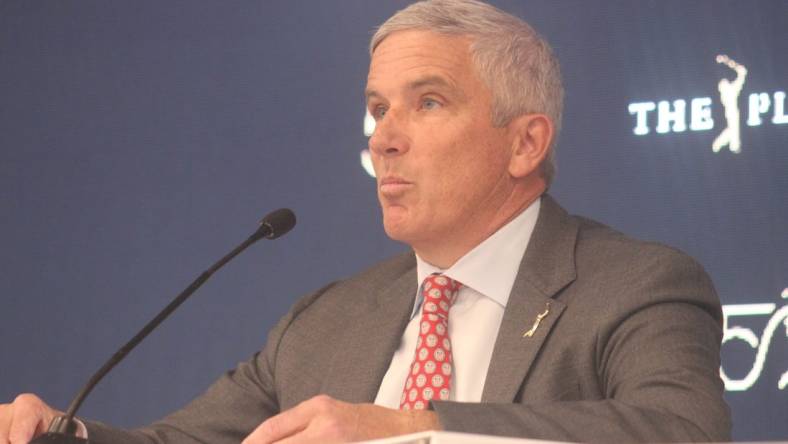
(638, 272)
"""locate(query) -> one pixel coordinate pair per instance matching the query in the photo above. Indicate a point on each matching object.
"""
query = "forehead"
(408, 55)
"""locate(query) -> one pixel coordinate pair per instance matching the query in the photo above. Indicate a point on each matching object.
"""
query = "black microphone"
(63, 429)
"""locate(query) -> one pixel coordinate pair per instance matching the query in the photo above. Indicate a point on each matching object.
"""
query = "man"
(729, 97)
(528, 322)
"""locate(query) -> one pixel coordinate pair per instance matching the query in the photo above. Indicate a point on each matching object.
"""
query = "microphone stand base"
(58, 438)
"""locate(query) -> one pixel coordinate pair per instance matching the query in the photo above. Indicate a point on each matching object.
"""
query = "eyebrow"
(431, 80)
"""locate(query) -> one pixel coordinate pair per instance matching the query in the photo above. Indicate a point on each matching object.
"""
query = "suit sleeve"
(227, 412)
(657, 363)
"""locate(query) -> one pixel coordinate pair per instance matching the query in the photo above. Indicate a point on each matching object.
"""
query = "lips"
(393, 186)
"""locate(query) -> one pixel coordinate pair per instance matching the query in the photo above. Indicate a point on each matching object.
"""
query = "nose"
(390, 137)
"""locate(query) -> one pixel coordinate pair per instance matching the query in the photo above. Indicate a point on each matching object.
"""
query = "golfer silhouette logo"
(729, 96)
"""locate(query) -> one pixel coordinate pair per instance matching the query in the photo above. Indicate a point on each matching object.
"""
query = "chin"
(395, 231)
(399, 224)
(397, 228)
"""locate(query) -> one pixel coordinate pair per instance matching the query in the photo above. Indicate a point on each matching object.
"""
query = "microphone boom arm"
(63, 428)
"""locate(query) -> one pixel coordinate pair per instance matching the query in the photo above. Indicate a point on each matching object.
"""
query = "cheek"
(455, 161)
(477, 168)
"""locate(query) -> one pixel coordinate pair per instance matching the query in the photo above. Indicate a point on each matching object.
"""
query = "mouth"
(393, 186)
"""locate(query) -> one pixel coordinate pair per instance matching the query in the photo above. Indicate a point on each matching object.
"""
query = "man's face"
(441, 167)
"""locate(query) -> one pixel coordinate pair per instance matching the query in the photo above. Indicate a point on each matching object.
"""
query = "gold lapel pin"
(538, 319)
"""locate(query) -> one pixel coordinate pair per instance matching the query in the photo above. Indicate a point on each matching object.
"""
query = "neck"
(445, 252)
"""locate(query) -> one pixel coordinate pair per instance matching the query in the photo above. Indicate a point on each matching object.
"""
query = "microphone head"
(277, 223)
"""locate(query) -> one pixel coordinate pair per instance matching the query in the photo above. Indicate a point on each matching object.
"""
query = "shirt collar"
(491, 267)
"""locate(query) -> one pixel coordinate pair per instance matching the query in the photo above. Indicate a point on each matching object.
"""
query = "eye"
(379, 111)
(429, 103)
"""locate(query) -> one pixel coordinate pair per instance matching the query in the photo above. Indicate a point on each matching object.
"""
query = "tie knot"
(439, 294)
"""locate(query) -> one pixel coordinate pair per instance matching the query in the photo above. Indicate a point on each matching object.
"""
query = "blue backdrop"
(140, 140)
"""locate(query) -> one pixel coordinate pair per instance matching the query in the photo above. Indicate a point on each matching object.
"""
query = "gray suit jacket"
(629, 350)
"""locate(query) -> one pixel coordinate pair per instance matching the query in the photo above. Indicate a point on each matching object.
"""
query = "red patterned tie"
(430, 373)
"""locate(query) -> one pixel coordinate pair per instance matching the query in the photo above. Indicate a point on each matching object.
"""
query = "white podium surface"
(468, 438)
(454, 438)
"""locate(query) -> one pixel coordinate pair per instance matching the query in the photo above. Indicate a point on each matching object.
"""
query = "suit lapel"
(361, 360)
(547, 267)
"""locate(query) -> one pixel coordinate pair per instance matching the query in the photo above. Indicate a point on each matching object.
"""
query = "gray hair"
(515, 62)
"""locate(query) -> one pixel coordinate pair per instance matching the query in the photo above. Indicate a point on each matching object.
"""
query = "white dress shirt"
(487, 273)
